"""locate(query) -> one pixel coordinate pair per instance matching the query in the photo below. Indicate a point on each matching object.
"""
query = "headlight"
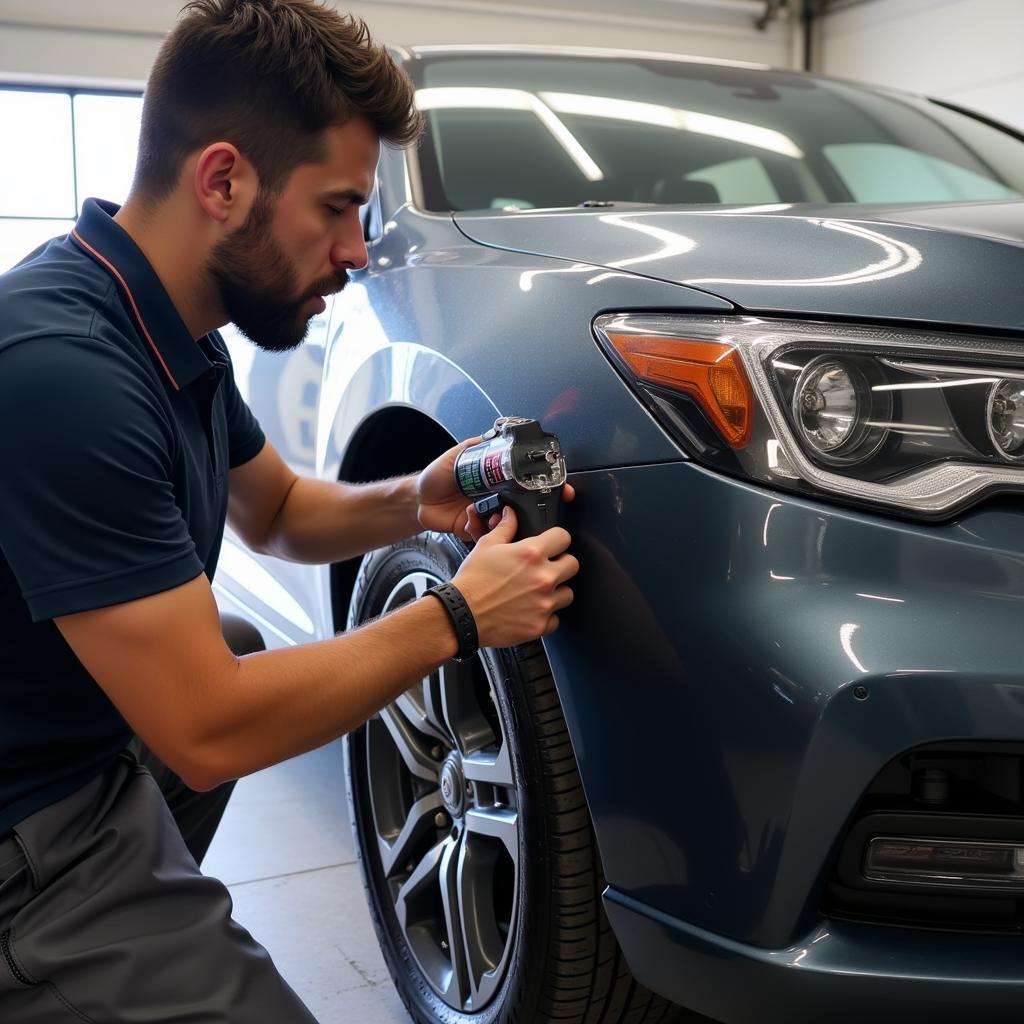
(836, 412)
(1005, 417)
(908, 420)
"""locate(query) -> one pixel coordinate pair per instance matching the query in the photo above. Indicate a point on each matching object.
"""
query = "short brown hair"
(268, 76)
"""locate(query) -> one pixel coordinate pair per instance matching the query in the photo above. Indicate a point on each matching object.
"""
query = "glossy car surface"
(765, 649)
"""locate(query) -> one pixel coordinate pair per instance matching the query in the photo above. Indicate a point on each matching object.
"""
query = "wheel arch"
(386, 411)
(393, 441)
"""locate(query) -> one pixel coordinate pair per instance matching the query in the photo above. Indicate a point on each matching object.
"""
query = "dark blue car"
(771, 767)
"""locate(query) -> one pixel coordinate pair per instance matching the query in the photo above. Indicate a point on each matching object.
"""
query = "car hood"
(950, 264)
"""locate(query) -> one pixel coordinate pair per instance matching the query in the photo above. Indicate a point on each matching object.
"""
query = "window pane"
(558, 131)
(106, 141)
(36, 177)
(881, 173)
(739, 181)
(19, 237)
(1000, 151)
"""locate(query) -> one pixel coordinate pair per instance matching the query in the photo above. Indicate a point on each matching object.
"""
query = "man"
(125, 446)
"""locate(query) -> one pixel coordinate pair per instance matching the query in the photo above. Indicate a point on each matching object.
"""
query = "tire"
(517, 858)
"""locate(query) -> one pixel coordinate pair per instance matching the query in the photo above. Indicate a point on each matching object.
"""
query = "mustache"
(328, 285)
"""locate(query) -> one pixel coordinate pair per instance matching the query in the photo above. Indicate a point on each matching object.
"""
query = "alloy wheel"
(444, 807)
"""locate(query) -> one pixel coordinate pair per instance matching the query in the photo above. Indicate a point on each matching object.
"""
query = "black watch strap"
(462, 619)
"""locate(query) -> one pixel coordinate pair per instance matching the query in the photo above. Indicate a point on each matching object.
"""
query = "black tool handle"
(535, 512)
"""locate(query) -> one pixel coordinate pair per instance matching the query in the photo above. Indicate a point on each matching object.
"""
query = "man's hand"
(516, 588)
(442, 506)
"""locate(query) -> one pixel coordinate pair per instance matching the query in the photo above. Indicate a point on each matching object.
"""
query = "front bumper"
(709, 671)
(838, 973)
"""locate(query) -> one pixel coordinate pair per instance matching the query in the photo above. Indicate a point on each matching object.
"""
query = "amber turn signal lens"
(710, 372)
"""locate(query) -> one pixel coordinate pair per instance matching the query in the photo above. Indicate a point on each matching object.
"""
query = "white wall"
(111, 40)
(966, 51)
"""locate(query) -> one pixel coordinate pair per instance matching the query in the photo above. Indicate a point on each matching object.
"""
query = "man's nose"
(349, 252)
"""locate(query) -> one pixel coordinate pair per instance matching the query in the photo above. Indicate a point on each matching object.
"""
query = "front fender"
(402, 374)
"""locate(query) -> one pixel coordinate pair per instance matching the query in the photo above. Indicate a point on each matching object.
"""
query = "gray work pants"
(106, 918)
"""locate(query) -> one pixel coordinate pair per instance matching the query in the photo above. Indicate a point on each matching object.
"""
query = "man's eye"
(335, 211)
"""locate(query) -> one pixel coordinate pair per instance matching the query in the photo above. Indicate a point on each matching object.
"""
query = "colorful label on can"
(493, 470)
(471, 482)
(480, 472)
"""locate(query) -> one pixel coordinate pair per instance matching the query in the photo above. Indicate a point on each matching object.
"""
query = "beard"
(257, 284)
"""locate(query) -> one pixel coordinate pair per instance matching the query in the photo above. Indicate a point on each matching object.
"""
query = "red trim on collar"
(131, 298)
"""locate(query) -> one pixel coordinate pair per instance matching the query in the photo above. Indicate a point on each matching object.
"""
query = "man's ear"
(225, 183)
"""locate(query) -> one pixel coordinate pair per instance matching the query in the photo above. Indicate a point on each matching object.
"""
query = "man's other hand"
(442, 506)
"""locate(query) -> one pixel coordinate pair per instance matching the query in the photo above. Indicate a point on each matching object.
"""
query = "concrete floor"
(285, 851)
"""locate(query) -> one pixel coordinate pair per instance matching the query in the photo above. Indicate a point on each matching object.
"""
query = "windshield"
(524, 132)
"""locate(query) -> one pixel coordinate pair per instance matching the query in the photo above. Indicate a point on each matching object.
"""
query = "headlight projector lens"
(834, 409)
(1005, 418)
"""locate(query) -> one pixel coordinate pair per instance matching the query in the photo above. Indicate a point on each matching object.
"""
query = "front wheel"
(476, 846)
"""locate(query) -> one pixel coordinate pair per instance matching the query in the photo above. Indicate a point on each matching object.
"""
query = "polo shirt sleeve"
(88, 516)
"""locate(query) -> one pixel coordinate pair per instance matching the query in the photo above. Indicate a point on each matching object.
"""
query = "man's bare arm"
(211, 716)
(277, 512)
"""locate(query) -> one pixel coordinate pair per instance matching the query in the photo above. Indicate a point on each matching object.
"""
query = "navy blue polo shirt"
(117, 431)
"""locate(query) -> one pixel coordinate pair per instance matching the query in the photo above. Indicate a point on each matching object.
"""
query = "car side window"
(886, 173)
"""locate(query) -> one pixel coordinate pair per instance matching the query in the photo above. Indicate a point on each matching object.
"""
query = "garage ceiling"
(111, 39)
(155, 15)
